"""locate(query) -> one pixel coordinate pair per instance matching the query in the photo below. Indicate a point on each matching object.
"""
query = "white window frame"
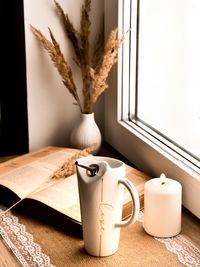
(147, 153)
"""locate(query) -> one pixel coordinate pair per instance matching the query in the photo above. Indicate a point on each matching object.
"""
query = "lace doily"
(187, 253)
(21, 243)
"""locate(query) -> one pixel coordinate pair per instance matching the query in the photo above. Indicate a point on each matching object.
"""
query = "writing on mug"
(105, 210)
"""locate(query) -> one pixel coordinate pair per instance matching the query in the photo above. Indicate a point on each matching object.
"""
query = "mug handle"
(135, 198)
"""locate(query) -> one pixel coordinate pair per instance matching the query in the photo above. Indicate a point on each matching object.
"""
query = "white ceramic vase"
(86, 133)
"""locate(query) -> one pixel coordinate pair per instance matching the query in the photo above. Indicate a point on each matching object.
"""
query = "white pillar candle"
(162, 207)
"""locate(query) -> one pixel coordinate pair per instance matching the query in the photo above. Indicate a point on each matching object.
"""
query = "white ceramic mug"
(101, 182)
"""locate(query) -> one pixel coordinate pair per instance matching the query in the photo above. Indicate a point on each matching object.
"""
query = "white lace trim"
(187, 253)
(12, 247)
(21, 243)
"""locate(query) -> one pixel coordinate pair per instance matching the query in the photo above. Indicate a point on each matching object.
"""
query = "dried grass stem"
(95, 74)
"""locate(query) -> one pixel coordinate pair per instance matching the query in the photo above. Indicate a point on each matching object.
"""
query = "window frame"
(147, 153)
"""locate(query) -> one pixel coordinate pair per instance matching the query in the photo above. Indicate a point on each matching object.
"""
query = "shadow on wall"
(13, 105)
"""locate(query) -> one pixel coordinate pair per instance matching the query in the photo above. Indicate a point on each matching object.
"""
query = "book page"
(18, 161)
(27, 178)
(61, 195)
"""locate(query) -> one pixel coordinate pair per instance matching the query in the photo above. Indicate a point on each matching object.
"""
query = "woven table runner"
(187, 253)
(29, 253)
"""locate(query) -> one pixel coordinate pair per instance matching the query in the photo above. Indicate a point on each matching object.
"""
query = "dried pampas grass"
(68, 168)
(94, 72)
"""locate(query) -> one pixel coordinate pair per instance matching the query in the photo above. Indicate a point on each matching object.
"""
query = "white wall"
(51, 112)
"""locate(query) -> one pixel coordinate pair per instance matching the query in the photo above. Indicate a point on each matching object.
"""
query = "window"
(155, 118)
(167, 74)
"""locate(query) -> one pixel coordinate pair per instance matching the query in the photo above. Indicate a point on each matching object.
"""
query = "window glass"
(168, 71)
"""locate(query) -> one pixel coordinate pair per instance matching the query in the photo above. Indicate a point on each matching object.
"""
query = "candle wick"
(163, 179)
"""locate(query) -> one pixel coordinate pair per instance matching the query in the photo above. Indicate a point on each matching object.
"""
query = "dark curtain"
(13, 106)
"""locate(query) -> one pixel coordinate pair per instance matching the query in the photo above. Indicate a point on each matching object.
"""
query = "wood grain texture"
(7, 258)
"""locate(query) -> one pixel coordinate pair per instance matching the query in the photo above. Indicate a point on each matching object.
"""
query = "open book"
(28, 177)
